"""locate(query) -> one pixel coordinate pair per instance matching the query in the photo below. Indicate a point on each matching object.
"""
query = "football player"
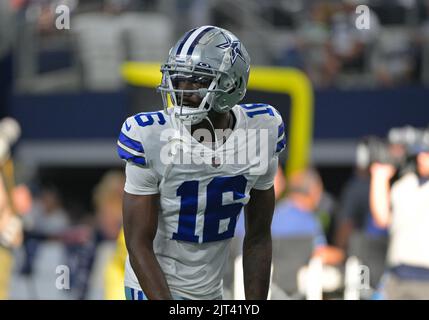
(179, 216)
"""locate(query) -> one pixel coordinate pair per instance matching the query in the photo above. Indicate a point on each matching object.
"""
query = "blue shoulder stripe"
(124, 154)
(281, 144)
(130, 143)
(281, 130)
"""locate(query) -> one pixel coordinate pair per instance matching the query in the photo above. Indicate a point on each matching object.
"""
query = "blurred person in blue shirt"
(354, 214)
(296, 215)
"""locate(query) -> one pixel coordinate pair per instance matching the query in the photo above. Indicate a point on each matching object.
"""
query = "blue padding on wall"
(338, 114)
(353, 114)
(70, 116)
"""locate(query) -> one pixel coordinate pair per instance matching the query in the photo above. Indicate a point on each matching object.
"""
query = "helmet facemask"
(199, 82)
(206, 78)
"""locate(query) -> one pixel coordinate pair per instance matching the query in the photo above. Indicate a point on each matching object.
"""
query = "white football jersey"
(202, 191)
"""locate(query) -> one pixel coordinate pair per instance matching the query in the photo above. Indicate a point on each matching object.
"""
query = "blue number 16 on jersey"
(215, 213)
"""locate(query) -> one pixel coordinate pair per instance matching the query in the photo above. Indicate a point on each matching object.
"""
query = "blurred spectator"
(80, 247)
(292, 55)
(108, 204)
(107, 198)
(47, 220)
(320, 65)
(356, 232)
(115, 271)
(322, 37)
(395, 57)
(47, 216)
(13, 200)
(403, 208)
(354, 207)
(354, 214)
(296, 215)
(349, 44)
(325, 213)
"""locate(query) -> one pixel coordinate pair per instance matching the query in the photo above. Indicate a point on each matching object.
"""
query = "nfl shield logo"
(215, 162)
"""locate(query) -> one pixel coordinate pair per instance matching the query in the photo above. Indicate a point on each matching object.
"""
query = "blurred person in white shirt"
(403, 207)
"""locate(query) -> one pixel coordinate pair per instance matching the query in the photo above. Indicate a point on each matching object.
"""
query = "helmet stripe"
(197, 39)
(193, 36)
(179, 48)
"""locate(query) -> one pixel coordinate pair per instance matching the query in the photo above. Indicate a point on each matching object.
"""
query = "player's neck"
(221, 121)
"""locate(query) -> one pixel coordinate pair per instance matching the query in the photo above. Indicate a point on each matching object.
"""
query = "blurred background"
(69, 93)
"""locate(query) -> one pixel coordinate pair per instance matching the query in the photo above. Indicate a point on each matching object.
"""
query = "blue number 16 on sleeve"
(215, 211)
(147, 118)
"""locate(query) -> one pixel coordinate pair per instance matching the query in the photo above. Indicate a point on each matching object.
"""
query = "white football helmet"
(213, 58)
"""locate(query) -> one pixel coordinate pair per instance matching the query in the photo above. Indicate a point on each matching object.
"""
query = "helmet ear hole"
(227, 84)
(239, 83)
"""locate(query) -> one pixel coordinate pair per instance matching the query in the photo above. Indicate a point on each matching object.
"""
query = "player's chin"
(192, 103)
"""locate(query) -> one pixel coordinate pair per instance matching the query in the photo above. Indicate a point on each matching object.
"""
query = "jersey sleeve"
(280, 143)
(266, 180)
(129, 145)
(136, 143)
(266, 116)
(140, 181)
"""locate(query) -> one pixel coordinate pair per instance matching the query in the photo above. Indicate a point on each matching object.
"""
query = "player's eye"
(201, 81)
(177, 78)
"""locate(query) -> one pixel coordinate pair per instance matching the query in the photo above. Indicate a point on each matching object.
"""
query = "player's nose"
(188, 97)
(185, 85)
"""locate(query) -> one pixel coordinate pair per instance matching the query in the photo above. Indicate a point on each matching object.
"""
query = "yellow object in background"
(6, 263)
(115, 271)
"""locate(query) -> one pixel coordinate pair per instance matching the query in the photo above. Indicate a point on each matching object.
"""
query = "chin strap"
(214, 132)
(217, 145)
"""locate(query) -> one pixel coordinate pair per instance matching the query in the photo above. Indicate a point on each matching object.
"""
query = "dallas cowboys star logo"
(236, 48)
